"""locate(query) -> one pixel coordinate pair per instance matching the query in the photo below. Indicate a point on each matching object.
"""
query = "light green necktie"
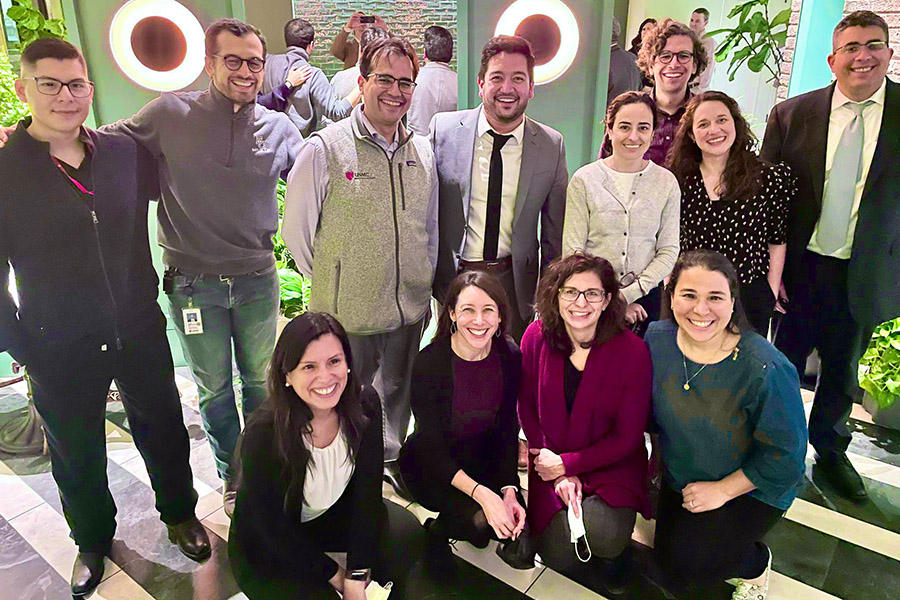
(846, 169)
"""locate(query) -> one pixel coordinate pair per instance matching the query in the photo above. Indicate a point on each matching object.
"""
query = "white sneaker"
(750, 591)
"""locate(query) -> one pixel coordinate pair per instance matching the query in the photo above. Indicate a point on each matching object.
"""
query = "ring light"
(552, 30)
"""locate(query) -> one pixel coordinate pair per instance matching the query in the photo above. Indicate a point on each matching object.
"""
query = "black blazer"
(797, 134)
(431, 457)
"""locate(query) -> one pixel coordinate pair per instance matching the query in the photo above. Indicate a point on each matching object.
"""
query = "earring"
(287, 384)
(453, 327)
(498, 333)
(348, 371)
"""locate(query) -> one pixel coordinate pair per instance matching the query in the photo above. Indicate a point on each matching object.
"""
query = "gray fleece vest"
(370, 265)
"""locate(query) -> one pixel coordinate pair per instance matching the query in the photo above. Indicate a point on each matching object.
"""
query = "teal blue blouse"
(743, 412)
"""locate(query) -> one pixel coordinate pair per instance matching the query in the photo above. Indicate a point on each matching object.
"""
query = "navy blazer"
(797, 134)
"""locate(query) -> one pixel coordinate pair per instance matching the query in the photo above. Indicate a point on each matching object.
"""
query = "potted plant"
(31, 24)
(756, 40)
(12, 110)
(879, 375)
(294, 287)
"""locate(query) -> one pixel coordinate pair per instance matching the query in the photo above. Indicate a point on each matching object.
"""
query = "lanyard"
(76, 183)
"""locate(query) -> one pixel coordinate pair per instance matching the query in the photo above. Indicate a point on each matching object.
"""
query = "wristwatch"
(359, 575)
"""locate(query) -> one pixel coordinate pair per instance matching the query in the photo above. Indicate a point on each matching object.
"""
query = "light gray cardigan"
(636, 234)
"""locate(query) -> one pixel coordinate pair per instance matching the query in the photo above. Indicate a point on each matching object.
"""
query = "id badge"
(193, 321)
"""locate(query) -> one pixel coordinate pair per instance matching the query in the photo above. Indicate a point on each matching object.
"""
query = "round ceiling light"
(158, 44)
(552, 30)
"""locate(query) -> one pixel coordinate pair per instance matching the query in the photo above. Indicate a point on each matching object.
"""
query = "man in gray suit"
(500, 173)
(624, 74)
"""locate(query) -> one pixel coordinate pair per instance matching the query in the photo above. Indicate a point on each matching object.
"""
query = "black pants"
(400, 544)
(758, 302)
(652, 303)
(818, 316)
(712, 546)
(70, 390)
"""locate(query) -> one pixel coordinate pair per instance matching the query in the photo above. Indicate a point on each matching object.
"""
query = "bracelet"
(472, 495)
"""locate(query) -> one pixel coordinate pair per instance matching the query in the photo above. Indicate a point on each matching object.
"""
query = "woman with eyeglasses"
(461, 459)
(731, 432)
(626, 208)
(583, 404)
(311, 460)
(732, 201)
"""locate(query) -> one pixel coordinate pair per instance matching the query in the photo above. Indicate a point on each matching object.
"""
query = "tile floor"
(825, 548)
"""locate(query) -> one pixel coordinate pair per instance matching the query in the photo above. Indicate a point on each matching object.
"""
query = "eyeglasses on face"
(665, 57)
(853, 48)
(233, 63)
(386, 82)
(79, 88)
(592, 295)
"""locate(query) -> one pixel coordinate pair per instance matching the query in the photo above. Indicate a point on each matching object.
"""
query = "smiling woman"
(158, 44)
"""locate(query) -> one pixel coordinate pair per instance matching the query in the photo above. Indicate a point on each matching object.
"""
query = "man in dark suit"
(500, 173)
(624, 74)
(843, 249)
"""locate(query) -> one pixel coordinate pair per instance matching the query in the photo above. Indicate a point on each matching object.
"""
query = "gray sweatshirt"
(217, 174)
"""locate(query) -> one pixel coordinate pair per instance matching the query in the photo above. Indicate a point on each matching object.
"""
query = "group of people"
(678, 216)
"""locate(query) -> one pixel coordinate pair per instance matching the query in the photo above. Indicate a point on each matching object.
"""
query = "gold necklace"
(687, 382)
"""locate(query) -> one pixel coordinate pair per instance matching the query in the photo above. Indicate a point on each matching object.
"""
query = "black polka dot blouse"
(740, 229)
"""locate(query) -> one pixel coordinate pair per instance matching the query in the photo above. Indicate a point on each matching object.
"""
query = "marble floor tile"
(218, 522)
(882, 508)
(782, 587)
(120, 587)
(800, 552)
(553, 586)
(208, 504)
(24, 572)
(845, 528)
(421, 512)
(15, 495)
(488, 561)
(875, 441)
(471, 584)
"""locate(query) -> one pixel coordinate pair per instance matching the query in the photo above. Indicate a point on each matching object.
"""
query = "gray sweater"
(217, 173)
(315, 99)
(636, 232)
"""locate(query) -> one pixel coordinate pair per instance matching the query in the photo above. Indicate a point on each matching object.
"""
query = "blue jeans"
(240, 310)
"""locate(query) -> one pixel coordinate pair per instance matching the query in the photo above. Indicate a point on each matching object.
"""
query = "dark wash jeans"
(241, 311)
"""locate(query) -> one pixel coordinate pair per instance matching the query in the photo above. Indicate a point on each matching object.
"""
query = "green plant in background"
(294, 287)
(879, 368)
(33, 25)
(12, 110)
(755, 40)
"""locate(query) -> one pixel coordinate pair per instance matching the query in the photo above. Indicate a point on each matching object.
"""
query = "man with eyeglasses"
(843, 253)
(220, 155)
(360, 219)
(673, 56)
(73, 225)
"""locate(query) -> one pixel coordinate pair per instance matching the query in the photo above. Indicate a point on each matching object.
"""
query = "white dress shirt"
(473, 247)
(840, 118)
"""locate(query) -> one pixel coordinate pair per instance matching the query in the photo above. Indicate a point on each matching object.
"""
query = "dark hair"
(656, 43)
(510, 44)
(702, 11)
(624, 99)
(234, 27)
(715, 262)
(51, 48)
(438, 44)
(860, 18)
(743, 170)
(636, 41)
(299, 33)
(483, 281)
(611, 322)
(375, 50)
(291, 416)
(370, 34)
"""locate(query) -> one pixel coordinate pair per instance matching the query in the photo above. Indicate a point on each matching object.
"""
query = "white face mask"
(578, 533)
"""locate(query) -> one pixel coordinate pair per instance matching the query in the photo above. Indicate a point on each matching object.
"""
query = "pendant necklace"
(687, 380)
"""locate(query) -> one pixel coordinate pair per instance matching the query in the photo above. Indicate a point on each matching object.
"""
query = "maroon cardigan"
(602, 441)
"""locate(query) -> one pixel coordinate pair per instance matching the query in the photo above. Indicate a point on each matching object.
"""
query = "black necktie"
(495, 191)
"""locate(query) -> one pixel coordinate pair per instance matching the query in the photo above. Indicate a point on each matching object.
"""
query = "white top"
(327, 477)
(435, 92)
(841, 115)
(511, 154)
(701, 83)
(345, 81)
(636, 230)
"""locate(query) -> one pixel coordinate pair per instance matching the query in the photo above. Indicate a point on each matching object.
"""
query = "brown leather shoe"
(87, 573)
(191, 538)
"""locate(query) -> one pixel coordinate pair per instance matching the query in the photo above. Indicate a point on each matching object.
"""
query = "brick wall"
(406, 18)
(889, 9)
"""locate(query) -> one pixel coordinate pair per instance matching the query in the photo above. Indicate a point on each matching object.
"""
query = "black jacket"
(431, 456)
(797, 133)
(82, 277)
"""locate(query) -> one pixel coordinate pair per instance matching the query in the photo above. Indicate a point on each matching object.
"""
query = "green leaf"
(16, 13)
(56, 27)
(780, 39)
(781, 18)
